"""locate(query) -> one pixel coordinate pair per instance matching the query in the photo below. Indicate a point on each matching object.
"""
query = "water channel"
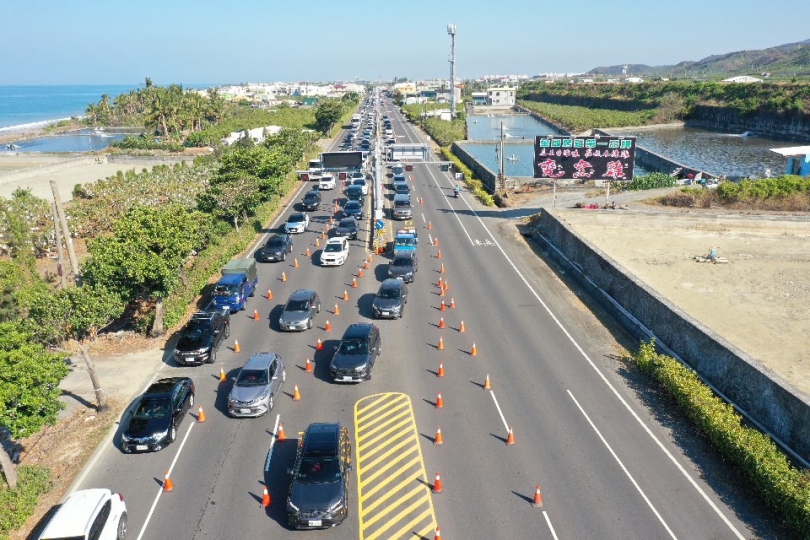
(83, 140)
(723, 154)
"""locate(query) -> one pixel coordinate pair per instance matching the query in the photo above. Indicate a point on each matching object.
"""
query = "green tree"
(29, 387)
(233, 197)
(25, 225)
(327, 114)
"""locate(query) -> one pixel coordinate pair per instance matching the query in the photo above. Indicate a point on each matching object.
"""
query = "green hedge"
(783, 487)
(477, 185)
(17, 505)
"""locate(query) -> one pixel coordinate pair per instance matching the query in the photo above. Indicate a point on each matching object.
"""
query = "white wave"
(33, 125)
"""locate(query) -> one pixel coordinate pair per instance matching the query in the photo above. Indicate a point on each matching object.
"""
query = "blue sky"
(206, 41)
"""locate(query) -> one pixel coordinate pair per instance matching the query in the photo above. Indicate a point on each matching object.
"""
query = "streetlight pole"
(451, 30)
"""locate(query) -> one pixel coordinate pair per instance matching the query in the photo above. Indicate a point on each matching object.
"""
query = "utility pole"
(74, 264)
(451, 30)
(59, 255)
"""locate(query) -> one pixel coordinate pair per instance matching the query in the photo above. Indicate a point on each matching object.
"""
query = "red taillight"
(121, 496)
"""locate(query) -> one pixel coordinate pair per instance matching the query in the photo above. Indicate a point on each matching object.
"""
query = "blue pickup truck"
(239, 281)
(405, 242)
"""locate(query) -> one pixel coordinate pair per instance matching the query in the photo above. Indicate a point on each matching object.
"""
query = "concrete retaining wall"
(761, 394)
(487, 177)
(157, 160)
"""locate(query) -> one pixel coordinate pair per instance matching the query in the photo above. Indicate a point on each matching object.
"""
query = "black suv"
(153, 424)
(276, 248)
(390, 300)
(355, 193)
(312, 200)
(202, 336)
(357, 353)
(319, 492)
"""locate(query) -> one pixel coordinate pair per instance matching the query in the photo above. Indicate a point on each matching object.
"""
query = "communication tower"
(451, 30)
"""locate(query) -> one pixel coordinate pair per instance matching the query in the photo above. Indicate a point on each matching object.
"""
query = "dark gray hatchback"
(390, 300)
(357, 353)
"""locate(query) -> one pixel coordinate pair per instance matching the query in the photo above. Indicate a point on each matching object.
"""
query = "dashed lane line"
(394, 495)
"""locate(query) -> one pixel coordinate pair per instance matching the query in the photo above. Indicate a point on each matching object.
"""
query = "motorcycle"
(456, 193)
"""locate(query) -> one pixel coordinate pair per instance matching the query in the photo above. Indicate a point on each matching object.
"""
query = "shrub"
(475, 184)
(653, 180)
(17, 505)
(784, 488)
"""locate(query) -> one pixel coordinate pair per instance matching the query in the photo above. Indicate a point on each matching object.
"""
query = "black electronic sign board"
(584, 158)
(342, 160)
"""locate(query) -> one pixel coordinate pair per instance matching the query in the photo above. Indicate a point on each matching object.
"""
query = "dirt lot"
(760, 300)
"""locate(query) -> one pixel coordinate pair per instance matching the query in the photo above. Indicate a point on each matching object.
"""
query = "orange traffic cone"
(327, 327)
(421, 200)
(200, 415)
(474, 351)
(323, 233)
(308, 253)
(440, 284)
(436, 241)
(265, 498)
(446, 285)
(443, 307)
(430, 226)
(345, 294)
(354, 283)
(437, 485)
(441, 292)
(319, 346)
(461, 328)
(442, 269)
(441, 322)
(295, 262)
(439, 255)
(168, 485)
(236, 347)
(360, 273)
(538, 498)
(308, 367)
(439, 402)
(269, 294)
(337, 310)
(487, 384)
(440, 373)
(222, 375)
(452, 302)
(370, 258)
(317, 242)
(366, 265)
(255, 314)
(441, 343)
(283, 276)
(280, 435)
(296, 393)
(510, 439)
(438, 439)
(438, 534)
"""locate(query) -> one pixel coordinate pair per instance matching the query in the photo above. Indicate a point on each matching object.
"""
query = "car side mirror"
(275, 378)
(289, 471)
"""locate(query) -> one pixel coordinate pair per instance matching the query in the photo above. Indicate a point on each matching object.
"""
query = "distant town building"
(798, 159)
(479, 98)
(309, 101)
(501, 96)
(742, 79)
(258, 134)
(634, 80)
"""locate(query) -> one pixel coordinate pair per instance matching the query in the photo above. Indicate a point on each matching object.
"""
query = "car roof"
(311, 193)
(346, 221)
(72, 517)
(260, 360)
(358, 330)
(353, 203)
(402, 197)
(302, 294)
(322, 439)
(336, 241)
(392, 283)
(163, 386)
(296, 214)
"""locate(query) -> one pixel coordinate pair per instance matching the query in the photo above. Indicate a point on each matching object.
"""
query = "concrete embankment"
(763, 396)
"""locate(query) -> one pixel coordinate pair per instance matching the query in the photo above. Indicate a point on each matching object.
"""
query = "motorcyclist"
(456, 191)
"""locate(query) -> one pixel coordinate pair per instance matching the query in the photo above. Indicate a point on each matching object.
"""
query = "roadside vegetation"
(784, 193)
(578, 119)
(784, 488)
(154, 240)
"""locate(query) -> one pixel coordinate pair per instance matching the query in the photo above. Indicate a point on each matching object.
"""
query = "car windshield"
(296, 218)
(348, 223)
(352, 205)
(333, 248)
(274, 243)
(388, 293)
(297, 305)
(352, 346)
(318, 470)
(153, 408)
(252, 377)
(359, 182)
(403, 261)
(311, 196)
(404, 242)
(226, 290)
(402, 203)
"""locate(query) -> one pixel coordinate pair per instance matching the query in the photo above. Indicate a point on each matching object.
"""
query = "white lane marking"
(272, 442)
(423, 218)
(505, 425)
(103, 446)
(160, 489)
(430, 237)
(453, 209)
(619, 461)
(638, 419)
(550, 526)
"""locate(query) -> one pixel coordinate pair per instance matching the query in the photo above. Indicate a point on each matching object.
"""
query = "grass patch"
(782, 194)
(583, 118)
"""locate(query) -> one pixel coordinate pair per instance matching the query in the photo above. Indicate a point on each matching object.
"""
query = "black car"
(299, 310)
(347, 227)
(390, 300)
(404, 268)
(402, 188)
(276, 248)
(357, 353)
(153, 424)
(201, 337)
(353, 209)
(312, 200)
(319, 491)
(355, 193)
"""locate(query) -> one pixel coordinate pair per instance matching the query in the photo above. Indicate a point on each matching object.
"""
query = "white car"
(362, 183)
(89, 514)
(335, 252)
(296, 223)
(327, 181)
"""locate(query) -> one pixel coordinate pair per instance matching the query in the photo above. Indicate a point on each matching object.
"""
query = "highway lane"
(587, 493)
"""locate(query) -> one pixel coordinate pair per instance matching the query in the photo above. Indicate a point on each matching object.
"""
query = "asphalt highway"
(604, 466)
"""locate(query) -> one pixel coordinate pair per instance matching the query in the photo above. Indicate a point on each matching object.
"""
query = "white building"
(258, 134)
(742, 79)
(501, 96)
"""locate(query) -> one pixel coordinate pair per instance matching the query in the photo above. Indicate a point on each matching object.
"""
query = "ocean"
(30, 106)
